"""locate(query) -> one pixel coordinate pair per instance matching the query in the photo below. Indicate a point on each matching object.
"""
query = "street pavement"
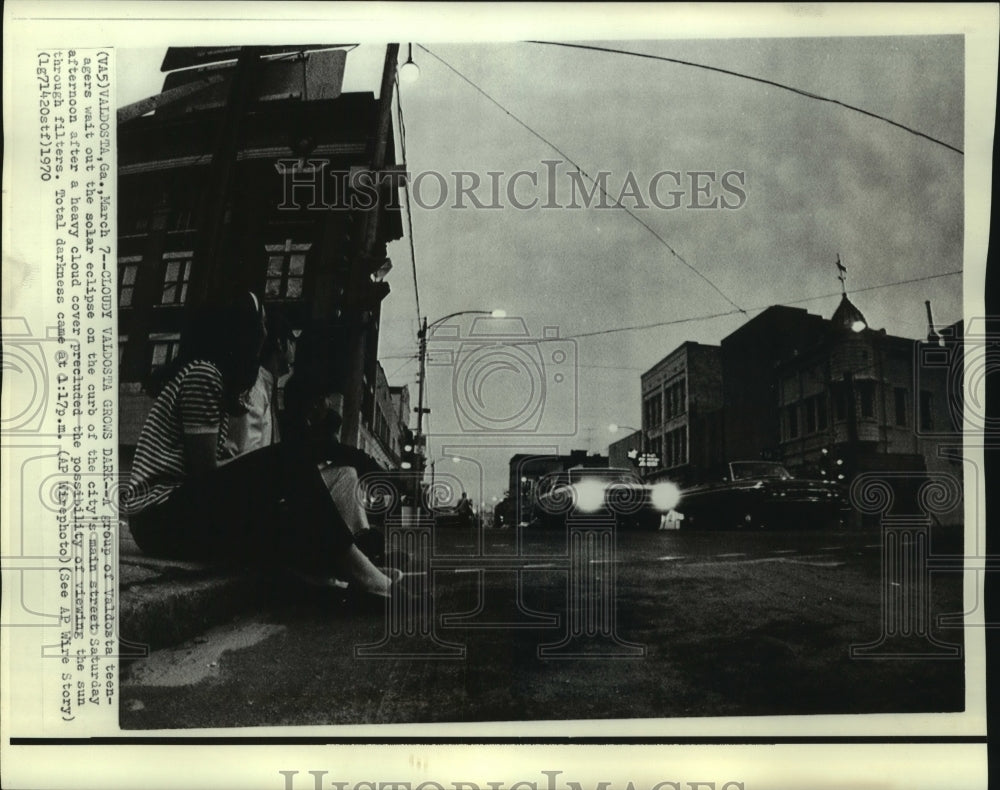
(544, 626)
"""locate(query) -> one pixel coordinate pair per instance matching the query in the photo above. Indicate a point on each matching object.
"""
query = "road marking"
(668, 558)
(873, 545)
(814, 563)
(733, 554)
(830, 548)
(786, 551)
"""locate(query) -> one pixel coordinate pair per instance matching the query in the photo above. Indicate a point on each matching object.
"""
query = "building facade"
(240, 188)
(382, 424)
(681, 402)
(825, 397)
(618, 452)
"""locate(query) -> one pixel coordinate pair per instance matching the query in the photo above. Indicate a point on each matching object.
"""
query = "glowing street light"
(409, 71)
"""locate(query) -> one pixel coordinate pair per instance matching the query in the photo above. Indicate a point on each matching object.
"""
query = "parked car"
(454, 517)
(610, 492)
(763, 495)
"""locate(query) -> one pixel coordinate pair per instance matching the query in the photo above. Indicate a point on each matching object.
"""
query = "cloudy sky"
(818, 181)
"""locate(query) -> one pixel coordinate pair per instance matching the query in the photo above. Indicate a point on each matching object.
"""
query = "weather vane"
(842, 275)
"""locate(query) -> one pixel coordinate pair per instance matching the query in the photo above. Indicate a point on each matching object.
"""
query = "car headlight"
(589, 495)
(665, 496)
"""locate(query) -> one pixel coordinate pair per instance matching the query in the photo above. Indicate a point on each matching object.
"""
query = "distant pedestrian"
(465, 510)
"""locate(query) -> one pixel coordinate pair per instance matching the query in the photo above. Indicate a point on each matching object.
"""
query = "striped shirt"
(190, 403)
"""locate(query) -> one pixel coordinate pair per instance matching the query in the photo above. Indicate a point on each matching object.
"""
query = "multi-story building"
(382, 423)
(751, 414)
(826, 397)
(681, 398)
(245, 185)
(857, 399)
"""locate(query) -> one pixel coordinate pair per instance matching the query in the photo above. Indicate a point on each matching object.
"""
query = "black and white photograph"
(616, 359)
(551, 382)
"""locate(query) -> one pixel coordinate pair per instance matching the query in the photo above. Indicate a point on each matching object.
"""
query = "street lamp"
(422, 357)
(409, 71)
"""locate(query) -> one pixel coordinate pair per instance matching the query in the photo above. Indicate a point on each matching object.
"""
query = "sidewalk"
(164, 602)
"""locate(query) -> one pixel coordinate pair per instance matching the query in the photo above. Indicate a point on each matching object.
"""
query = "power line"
(798, 91)
(396, 371)
(710, 316)
(406, 196)
(583, 172)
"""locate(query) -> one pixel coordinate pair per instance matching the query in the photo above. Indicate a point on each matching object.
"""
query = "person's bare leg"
(359, 569)
(342, 483)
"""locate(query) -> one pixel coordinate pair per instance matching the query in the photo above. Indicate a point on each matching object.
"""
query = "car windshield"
(602, 475)
(748, 470)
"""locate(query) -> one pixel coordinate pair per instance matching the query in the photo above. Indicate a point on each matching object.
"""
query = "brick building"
(826, 397)
(681, 399)
(258, 161)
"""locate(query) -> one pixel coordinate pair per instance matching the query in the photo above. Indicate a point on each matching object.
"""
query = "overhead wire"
(406, 197)
(710, 316)
(752, 78)
(587, 175)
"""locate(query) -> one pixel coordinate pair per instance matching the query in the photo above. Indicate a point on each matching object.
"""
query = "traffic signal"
(408, 455)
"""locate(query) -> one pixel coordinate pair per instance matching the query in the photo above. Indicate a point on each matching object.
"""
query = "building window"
(926, 411)
(286, 268)
(839, 402)
(656, 448)
(653, 411)
(165, 348)
(900, 399)
(675, 398)
(128, 270)
(792, 420)
(866, 393)
(815, 413)
(176, 276)
(674, 449)
(821, 414)
(182, 219)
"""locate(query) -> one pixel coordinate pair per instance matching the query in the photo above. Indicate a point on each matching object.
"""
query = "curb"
(162, 603)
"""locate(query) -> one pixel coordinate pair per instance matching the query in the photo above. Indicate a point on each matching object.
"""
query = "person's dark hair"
(279, 331)
(229, 335)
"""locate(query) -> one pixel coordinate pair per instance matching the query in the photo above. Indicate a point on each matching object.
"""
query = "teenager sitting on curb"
(184, 501)
(259, 426)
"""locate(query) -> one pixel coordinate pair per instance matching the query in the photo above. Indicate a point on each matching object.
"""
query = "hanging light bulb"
(409, 71)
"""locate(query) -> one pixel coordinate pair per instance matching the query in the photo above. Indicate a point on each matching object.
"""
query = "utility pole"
(211, 273)
(359, 290)
(421, 374)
